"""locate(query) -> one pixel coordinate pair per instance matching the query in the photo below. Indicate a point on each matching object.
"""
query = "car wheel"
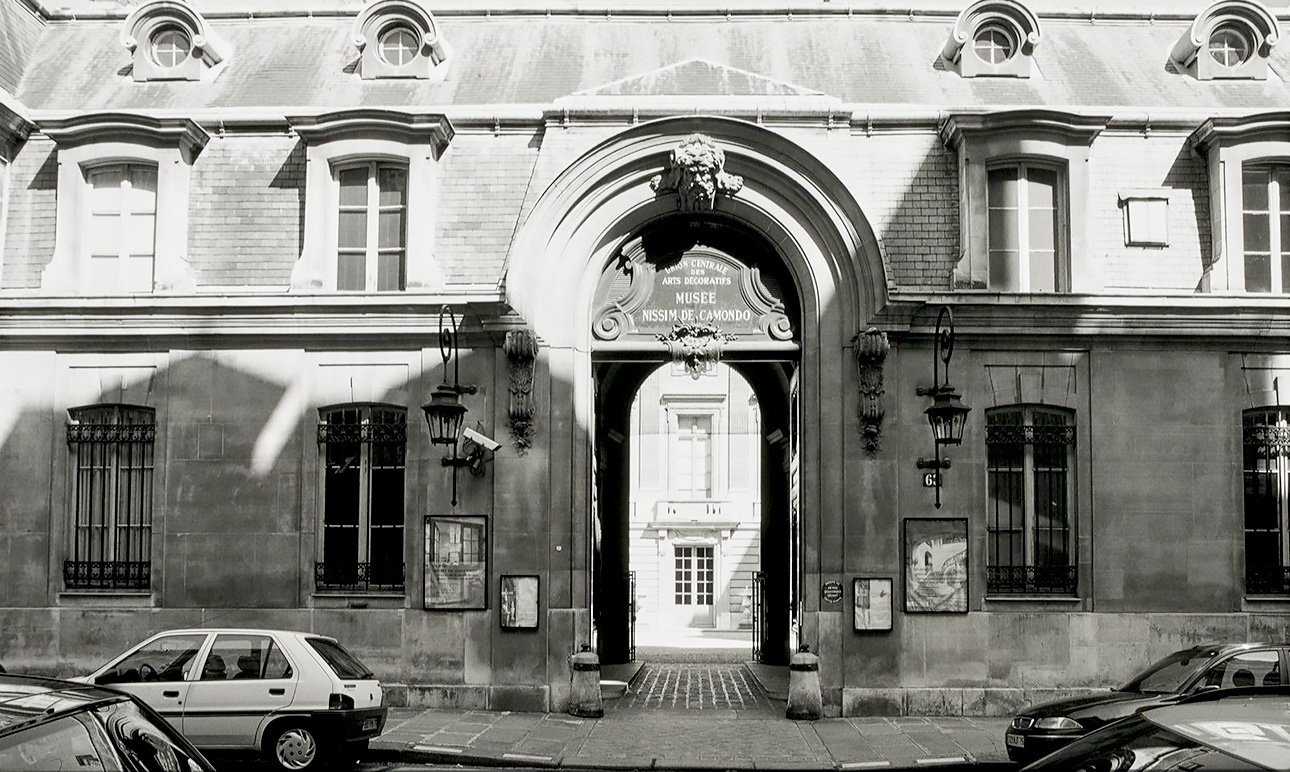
(294, 747)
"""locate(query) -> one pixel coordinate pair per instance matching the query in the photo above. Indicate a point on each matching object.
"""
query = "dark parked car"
(48, 724)
(1227, 731)
(1041, 729)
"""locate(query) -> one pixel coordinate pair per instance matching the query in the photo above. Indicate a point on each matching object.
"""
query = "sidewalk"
(687, 739)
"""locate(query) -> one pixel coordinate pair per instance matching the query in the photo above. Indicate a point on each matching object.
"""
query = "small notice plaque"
(831, 592)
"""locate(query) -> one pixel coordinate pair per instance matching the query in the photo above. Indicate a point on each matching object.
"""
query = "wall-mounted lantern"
(947, 415)
(444, 412)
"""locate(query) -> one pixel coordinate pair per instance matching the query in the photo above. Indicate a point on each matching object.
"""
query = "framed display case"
(456, 562)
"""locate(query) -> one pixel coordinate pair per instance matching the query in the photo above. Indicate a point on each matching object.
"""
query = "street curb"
(413, 755)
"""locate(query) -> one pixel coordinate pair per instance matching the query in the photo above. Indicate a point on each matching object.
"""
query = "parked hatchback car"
(299, 699)
(1041, 729)
(1231, 732)
(48, 724)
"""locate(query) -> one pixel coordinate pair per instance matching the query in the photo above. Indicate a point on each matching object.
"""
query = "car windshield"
(344, 664)
(1135, 743)
(1169, 674)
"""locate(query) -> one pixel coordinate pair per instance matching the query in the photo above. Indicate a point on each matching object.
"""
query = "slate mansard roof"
(300, 54)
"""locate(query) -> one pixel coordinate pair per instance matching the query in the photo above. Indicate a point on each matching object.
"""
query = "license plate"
(370, 724)
(1014, 740)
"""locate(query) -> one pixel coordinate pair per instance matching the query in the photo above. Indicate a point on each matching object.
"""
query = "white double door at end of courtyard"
(693, 585)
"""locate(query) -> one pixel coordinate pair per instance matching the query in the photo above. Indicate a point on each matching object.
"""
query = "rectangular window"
(1029, 464)
(364, 449)
(691, 463)
(111, 528)
(372, 240)
(1024, 230)
(122, 230)
(694, 575)
(1266, 444)
(1265, 195)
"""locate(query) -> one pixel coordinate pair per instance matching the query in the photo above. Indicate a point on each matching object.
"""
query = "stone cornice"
(14, 130)
(182, 133)
(1024, 316)
(304, 319)
(1274, 126)
(319, 318)
(1071, 127)
(827, 112)
(368, 123)
(948, 10)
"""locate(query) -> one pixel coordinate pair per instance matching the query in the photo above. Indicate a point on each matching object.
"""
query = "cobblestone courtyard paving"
(704, 686)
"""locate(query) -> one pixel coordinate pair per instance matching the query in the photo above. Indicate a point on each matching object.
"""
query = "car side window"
(166, 659)
(1251, 668)
(276, 665)
(244, 656)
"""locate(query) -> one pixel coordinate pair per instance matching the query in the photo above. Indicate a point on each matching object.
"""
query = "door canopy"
(632, 206)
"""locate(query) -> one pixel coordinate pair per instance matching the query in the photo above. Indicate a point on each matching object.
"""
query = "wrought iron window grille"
(1021, 573)
(1031, 580)
(107, 574)
(1265, 439)
(358, 577)
(362, 533)
(1029, 434)
(110, 528)
(363, 432)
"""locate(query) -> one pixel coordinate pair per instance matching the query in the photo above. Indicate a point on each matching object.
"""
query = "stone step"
(611, 689)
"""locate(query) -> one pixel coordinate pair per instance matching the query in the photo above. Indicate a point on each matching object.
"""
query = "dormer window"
(170, 47)
(1024, 200)
(370, 183)
(168, 40)
(1248, 159)
(993, 38)
(1230, 39)
(399, 39)
(1230, 45)
(121, 220)
(398, 45)
(994, 44)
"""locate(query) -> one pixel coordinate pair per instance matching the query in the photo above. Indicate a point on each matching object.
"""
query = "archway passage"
(682, 537)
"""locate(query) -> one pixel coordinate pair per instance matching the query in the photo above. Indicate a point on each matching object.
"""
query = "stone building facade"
(230, 229)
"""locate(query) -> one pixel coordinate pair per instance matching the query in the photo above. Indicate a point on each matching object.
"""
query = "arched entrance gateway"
(688, 240)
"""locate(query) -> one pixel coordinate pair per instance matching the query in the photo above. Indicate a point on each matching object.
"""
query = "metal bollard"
(584, 698)
(804, 700)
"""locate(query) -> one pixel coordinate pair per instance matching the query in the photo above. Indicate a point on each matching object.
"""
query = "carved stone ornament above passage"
(696, 173)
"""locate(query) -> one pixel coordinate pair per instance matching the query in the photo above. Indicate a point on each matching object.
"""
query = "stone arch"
(803, 212)
(789, 196)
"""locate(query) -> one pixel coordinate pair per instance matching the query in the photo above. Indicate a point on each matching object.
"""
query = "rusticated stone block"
(524, 699)
(448, 696)
(872, 702)
(933, 702)
(1002, 702)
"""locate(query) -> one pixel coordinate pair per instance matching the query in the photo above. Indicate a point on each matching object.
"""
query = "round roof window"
(994, 44)
(398, 45)
(171, 47)
(1231, 44)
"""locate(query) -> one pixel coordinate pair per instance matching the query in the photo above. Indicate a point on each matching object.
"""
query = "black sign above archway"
(691, 293)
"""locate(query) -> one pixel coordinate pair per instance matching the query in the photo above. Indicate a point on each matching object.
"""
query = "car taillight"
(340, 702)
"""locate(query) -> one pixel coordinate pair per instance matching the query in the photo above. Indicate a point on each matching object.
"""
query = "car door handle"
(277, 692)
(170, 693)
